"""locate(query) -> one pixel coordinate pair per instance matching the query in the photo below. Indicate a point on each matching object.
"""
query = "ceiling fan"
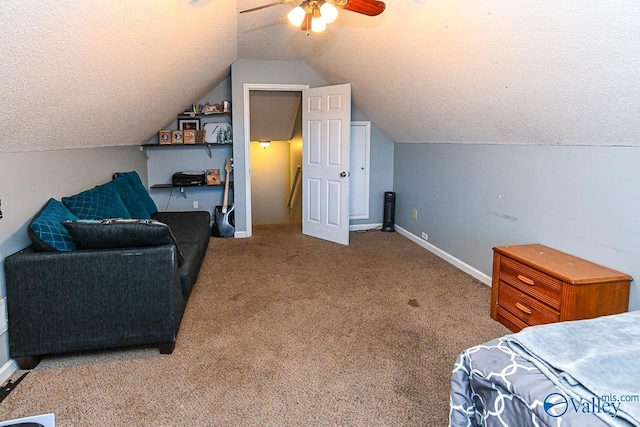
(316, 14)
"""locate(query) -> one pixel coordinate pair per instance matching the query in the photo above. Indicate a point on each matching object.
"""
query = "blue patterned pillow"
(136, 183)
(46, 230)
(100, 202)
(130, 198)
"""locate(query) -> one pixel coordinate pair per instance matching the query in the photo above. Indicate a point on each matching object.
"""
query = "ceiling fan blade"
(365, 7)
(264, 6)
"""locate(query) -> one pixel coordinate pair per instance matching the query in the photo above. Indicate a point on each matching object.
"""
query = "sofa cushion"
(138, 187)
(189, 270)
(121, 233)
(188, 227)
(46, 230)
(130, 198)
(100, 202)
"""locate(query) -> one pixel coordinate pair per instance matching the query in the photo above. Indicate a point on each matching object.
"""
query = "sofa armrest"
(89, 299)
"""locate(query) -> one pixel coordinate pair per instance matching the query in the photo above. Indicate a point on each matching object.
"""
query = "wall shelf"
(208, 146)
(184, 115)
(183, 188)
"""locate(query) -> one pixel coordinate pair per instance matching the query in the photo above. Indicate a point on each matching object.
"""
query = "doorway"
(269, 168)
(275, 155)
(326, 118)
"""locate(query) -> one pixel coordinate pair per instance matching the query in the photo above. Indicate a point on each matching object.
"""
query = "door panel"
(326, 134)
(313, 195)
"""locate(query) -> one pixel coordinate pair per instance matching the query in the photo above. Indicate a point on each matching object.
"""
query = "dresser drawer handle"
(523, 308)
(526, 280)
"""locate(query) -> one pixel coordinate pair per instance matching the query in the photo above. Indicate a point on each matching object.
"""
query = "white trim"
(360, 227)
(446, 256)
(246, 89)
(240, 235)
(8, 369)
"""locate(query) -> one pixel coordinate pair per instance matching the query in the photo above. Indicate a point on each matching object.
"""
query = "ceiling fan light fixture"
(296, 16)
(318, 24)
(329, 12)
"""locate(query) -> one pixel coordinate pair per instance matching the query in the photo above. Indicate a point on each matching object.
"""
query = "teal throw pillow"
(130, 198)
(46, 230)
(100, 202)
(138, 187)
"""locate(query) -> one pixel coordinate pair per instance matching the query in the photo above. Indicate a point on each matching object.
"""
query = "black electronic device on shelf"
(188, 178)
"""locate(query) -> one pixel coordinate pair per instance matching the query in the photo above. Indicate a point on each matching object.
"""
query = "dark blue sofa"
(97, 283)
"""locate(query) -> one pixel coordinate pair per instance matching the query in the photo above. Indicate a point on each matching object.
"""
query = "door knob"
(343, 174)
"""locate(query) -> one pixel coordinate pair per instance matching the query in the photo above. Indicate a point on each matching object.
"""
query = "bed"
(580, 373)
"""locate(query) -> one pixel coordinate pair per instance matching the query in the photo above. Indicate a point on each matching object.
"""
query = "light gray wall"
(297, 72)
(470, 198)
(28, 180)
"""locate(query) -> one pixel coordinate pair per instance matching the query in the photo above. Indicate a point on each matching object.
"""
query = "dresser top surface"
(563, 266)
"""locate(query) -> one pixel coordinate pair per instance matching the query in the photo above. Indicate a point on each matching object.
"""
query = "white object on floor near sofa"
(46, 420)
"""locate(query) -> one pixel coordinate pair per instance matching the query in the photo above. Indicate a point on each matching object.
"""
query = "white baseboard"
(479, 275)
(7, 370)
(360, 227)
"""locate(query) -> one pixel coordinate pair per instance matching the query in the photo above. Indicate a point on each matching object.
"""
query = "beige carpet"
(285, 330)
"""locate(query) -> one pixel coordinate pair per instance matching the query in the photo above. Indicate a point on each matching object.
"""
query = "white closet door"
(360, 170)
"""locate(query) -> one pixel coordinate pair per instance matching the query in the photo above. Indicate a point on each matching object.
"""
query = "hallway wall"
(269, 182)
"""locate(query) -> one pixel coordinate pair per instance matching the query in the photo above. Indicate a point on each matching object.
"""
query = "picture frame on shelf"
(176, 137)
(200, 136)
(189, 136)
(164, 137)
(188, 124)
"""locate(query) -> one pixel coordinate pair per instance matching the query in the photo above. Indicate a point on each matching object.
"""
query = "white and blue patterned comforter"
(492, 385)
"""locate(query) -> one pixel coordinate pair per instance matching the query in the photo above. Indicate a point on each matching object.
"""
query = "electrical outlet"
(415, 214)
(425, 236)
(195, 204)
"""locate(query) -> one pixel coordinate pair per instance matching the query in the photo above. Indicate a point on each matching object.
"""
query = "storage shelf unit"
(165, 159)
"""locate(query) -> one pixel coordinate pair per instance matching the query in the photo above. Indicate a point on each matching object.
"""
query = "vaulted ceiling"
(112, 72)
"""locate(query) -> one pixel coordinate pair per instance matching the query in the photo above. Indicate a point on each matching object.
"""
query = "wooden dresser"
(534, 284)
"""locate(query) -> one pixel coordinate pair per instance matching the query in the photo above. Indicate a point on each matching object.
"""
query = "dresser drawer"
(524, 307)
(540, 286)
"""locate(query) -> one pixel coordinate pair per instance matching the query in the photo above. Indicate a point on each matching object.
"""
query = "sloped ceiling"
(273, 115)
(91, 73)
(503, 71)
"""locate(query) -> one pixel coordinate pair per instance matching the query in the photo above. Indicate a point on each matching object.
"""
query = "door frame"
(246, 92)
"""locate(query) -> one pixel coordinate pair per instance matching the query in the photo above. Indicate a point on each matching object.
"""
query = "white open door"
(326, 131)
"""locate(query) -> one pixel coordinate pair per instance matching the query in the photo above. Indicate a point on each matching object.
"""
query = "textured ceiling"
(94, 73)
(91, 73)
(502, 71)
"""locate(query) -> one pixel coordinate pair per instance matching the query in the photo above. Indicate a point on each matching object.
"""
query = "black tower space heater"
(389, 211)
